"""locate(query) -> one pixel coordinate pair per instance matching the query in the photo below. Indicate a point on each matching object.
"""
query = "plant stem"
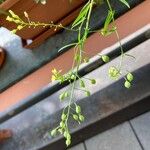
(117, 35)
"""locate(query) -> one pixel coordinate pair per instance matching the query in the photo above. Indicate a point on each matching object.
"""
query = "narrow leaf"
(81, 15)
(125, 2)
(66, 46)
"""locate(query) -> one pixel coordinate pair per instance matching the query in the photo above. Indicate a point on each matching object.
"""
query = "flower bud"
(13, 14)
(9, 19)
(114, 73)
(19, 27)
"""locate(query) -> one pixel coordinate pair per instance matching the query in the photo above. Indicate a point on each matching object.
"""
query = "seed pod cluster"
(78, 116)
(129, 79)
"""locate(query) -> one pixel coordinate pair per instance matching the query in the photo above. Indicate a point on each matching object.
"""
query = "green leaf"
(109, 18)
(66, 46)
(125, 2)
(106, 31)
(79, 22)
(82, 15)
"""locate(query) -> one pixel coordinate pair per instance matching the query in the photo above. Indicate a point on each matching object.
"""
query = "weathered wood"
(21, 62)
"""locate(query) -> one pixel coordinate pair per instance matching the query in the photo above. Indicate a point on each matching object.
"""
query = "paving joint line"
(136, 135)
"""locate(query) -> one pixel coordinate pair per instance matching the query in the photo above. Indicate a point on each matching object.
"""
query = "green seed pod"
(78, 109)
(60, 130)
(62, 96)
(62, 124)
(68, 142)
(105, 58)
(127, 84)
(87, 93)
(93, 81)
(66, 94)
(53, 132)
(81, 117)
(82, 84)
(63, 117)
(129, 77)
(68, 136)
(65, 134)
(73, 77)
(75, 117)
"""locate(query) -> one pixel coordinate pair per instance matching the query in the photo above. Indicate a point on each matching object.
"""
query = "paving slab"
(77, 147)
(141, 126)
(118, 138)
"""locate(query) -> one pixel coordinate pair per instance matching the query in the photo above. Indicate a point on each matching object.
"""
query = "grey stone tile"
(78, 147)
(117, 138)
(141, 126)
